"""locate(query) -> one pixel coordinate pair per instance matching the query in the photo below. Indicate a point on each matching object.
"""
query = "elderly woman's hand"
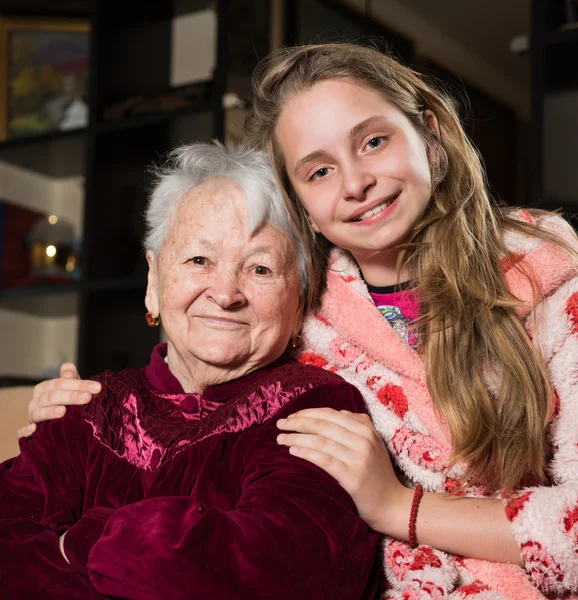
(51, 397)
(346, 446)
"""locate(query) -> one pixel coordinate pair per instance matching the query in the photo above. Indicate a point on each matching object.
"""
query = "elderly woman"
(170, 483)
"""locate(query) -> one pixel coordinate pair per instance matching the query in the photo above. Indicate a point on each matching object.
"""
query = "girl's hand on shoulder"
(346, 446)
(51, 397)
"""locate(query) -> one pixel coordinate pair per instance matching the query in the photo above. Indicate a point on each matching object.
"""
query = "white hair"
(191, 165)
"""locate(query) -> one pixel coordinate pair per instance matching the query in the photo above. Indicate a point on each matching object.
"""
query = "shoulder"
(294, 386)
(308, 375)
(121, 382)
(532, 261)
(295, 379)
(524, 243)
(121, 392)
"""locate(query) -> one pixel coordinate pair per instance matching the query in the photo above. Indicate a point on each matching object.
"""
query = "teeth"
(374, 211)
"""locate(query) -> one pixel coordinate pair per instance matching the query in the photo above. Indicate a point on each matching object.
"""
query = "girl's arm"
(348, 448)
(539, 526)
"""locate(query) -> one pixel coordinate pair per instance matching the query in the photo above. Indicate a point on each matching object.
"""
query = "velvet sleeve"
(41, 494)
(294, 532)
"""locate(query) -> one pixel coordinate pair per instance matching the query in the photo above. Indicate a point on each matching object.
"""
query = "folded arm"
(41, 493)
(293, 533)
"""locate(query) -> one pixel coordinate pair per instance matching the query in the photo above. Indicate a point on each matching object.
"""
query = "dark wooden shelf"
(43, 138)
(116, 284)
(555, 38)
(151, 119)
(55, 8)
(7, 381)
(38, 289)
(62, 300)
(44, 300)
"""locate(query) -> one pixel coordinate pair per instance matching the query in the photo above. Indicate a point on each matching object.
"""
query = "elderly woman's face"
(226, 298)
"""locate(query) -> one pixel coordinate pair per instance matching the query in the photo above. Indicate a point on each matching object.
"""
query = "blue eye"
(375, 142)
(261, 270)
(320, 173)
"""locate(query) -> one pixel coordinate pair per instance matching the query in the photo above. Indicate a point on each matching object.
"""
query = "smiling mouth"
(375, 210)
(220, 320)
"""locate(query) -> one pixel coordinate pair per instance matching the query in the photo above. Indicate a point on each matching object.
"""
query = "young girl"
(456, 318)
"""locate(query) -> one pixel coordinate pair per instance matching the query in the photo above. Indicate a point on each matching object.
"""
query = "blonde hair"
(469, 326)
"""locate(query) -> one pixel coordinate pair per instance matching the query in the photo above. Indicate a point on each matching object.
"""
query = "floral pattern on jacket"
(350, 336)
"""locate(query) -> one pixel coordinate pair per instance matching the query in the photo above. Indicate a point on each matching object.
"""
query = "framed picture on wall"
(43, 76)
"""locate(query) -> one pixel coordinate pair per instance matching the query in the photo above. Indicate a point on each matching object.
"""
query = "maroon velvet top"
(168, 495)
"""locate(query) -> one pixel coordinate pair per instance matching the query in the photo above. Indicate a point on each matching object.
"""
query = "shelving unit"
(98, 321)
(554, 48)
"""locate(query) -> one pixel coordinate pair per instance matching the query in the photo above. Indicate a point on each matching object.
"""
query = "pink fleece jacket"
(351, 337)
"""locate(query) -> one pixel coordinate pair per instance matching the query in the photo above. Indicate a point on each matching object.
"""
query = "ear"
(299, 318)
(432, 123)
(152, 298)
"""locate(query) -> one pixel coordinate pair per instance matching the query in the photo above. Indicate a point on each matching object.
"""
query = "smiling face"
(229, 301)
(358, 165)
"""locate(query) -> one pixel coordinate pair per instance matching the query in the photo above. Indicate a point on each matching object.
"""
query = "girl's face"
(358, 165)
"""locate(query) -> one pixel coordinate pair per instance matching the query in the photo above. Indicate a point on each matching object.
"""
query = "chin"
(221, 357)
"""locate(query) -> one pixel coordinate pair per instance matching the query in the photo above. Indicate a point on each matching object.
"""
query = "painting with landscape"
(44, 77)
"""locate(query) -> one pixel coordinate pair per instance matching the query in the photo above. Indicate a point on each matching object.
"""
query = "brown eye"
(199, 260)
(261, 270)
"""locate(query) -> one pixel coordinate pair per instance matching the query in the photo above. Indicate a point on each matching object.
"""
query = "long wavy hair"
(469, 327)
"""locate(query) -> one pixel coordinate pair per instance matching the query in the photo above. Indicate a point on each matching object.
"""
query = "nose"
(357, 181)
(226, 292)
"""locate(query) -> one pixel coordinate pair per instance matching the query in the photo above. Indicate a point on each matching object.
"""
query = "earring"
(295, 342)
(152, 320)
(311, 226)
(435, 173)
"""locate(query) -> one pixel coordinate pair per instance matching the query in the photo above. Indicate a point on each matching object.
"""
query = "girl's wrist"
(395, 515)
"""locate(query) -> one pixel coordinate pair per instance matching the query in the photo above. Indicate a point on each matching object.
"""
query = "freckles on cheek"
(170, 286)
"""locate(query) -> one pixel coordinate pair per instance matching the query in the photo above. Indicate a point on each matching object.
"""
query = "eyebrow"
(264, 249)
(307, 159)
(204, 242)
(355, 131)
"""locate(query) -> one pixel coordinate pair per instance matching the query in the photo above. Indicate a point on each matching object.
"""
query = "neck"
(196, 376)
(379, 269)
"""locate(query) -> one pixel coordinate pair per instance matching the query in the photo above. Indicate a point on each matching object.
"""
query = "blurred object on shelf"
(520, 44)
(75, 116)
(158, 101)
(43, 75)
(53, 250)
(235, 114)
(15, 224)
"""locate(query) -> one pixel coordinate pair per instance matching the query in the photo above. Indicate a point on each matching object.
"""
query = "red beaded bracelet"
(413, 515)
